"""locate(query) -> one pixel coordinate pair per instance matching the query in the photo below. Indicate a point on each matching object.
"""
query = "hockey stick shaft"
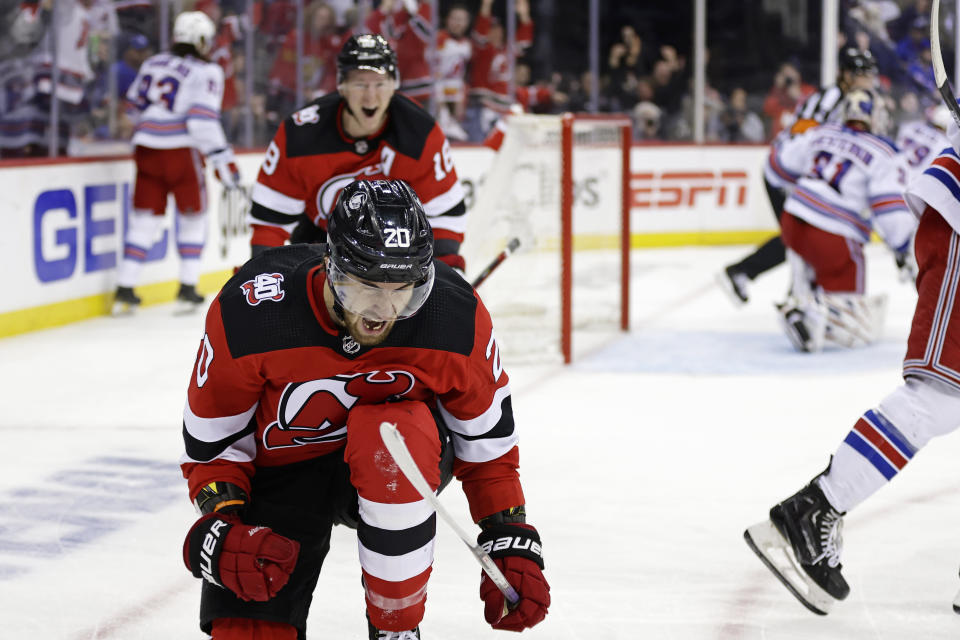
(939, 72)
(401, 455)
(512, 246)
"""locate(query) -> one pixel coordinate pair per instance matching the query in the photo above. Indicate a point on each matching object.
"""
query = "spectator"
(535, 98)
(738, 123)
(135, 49)
(920, 71)
(787, 92)
(899, 27)
(646, 121)
(406, 24)
(489, 69)
(321, 43)
(229, 31)
(622, 89)
(874, 15)
(454, 50)
(917, 39)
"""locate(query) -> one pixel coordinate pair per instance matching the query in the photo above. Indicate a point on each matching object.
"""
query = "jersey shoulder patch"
(312, 129)
(265, 305)
(409, 127)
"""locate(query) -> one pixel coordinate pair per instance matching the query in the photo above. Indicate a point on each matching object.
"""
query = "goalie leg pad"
(777, 554)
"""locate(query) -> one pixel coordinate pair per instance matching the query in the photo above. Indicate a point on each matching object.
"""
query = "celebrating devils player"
(364, 131)
(307, 350)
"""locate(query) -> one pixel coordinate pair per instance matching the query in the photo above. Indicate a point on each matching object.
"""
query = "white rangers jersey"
(820, 107)
(178, 100)
(920, 142)
(939, 187)
(848, 182)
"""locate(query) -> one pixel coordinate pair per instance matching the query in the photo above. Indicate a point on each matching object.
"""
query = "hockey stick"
(512, 246)
(395, 445)
(939, 73)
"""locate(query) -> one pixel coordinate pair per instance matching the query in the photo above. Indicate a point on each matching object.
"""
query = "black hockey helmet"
(368, 52)
(378, 234)
(856, 61)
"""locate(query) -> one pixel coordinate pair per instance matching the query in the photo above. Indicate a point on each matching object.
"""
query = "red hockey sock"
(247, 629)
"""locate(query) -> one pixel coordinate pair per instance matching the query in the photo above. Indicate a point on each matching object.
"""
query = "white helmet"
(866, 106)
(196, 28)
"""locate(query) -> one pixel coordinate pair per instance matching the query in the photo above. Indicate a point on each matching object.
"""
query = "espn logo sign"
(687, 189)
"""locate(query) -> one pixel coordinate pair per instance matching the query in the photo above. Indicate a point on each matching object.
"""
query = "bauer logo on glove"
(513, 543)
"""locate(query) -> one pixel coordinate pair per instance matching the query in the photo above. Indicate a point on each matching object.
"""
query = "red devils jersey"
(311, 159)
(275, 378)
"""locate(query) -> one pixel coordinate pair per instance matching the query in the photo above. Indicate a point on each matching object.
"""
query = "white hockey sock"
(142, 231)
(886, 438)
(191, 237)
(189, 270)
(865, 461)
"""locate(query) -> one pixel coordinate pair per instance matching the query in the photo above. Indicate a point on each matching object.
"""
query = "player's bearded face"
(370, 309)
(367, 94)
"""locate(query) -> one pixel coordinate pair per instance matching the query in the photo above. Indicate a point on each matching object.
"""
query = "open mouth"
(369, 111)
(372, 326)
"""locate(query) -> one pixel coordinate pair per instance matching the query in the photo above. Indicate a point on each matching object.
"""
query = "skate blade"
(775, 552)
(956, 603)
(122, 309)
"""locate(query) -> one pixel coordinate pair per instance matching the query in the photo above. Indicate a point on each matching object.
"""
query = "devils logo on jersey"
(265, 286)
(316, 411)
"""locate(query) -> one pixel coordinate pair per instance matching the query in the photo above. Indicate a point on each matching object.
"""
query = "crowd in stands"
(101, 43)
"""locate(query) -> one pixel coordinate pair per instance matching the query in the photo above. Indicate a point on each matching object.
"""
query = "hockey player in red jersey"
(306, 350)
(365, 131)
(801, 541)
(177, 96)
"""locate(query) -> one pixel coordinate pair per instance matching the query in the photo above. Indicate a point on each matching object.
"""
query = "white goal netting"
(522, 197)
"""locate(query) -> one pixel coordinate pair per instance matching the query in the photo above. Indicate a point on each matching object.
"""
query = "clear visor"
(378, 301)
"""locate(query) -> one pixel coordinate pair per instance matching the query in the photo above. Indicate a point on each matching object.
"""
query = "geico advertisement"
(66, 222)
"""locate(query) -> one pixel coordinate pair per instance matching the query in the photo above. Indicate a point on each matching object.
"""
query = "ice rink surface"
(642, 464)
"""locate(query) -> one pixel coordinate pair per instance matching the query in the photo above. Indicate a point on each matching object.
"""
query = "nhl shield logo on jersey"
(265, 286)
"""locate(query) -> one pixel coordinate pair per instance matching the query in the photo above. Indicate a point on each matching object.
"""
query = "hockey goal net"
(559, 185)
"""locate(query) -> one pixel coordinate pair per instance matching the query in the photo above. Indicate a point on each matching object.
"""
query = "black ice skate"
(188, 300)
(801, 544)
(376, 634)
(734, 283)
(125, 301)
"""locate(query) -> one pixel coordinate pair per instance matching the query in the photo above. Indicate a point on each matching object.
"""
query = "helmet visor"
(379, 301)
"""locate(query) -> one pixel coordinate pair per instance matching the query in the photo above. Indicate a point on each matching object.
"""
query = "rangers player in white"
(801, 541)
(848, 183)
(921, 140)
(176, 98)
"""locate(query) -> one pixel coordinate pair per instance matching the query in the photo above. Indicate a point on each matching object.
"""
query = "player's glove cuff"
(516, 540)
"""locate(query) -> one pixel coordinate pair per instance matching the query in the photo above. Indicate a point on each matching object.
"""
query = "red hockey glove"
(253, 562)
(225, 168)
(516, 550)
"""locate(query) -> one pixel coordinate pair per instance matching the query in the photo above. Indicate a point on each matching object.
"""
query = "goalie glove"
(516, 550)
(225, 167)
(252, 562)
